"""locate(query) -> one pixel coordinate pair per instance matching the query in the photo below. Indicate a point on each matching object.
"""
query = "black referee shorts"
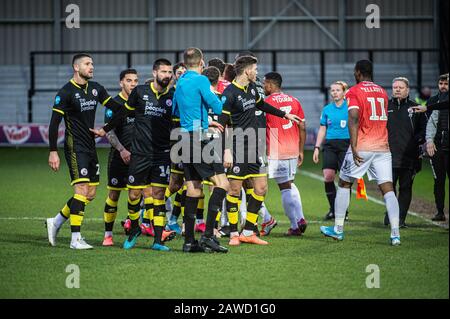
(199, 168)
(334, 153)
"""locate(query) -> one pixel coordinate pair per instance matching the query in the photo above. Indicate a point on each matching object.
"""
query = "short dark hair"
(178, 65)
(275, 78)
(229, 74)
(443, 77)
(160, 62)
(365, 67)
(212, 73)
(78, 56)
(218, 63)
(125, 72)
(243, 62)
(192, 57)
(244, 53)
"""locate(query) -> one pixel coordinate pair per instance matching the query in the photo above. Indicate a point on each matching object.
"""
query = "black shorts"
(243, 171)
(334, 153)
(144, 173)
(117, 172)
(199, 169)
(83, 167)
(176, 168)
(202, 171)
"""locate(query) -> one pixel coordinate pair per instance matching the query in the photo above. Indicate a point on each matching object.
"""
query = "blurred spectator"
(229, 74)
(438, 148)
(443, 91)
(424, 95)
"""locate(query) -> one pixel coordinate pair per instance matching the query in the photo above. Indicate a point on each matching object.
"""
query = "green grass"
(308, 267)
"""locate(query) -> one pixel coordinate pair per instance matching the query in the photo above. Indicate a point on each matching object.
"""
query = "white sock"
(169, 205)
(340, 207)
(247, 232)
(243, 218)
(76, 236)
(298, 202)
(265, 213)
(108, 233)
(393, 212)
(59, 220)
(289, 205)
(243, 207)
(224, 215)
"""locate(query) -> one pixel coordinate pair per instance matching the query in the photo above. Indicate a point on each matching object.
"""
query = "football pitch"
(308, 267)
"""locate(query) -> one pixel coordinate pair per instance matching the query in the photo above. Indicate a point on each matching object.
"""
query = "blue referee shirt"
(193, 97)
(335, 119)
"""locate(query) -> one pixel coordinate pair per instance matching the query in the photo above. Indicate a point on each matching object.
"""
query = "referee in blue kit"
(193, 97)
(334, 133)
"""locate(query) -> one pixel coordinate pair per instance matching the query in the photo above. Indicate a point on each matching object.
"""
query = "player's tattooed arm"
(353, 125)
(114, 141)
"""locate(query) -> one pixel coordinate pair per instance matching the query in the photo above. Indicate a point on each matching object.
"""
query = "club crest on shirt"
(343, 123)
(94, 92)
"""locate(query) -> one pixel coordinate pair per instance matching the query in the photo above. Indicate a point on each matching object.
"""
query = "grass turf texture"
(307, 267)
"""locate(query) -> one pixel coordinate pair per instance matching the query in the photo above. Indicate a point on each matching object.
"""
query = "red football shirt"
(222, 85)
(283, 135)
(372, 102)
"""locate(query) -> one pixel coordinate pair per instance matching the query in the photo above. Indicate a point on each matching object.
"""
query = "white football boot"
(80, 244)
(52, 231)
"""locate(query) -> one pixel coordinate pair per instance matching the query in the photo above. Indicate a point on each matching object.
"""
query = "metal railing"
(177, 54)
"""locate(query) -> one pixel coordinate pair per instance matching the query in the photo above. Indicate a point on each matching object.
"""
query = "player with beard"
(269, 222)
(149, 169)
(76, 102)
(241, 99)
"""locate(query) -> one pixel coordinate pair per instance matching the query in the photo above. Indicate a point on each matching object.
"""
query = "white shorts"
(377, 165)
(282, 170)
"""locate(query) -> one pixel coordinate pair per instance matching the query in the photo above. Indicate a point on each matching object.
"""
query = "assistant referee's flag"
(361, 189)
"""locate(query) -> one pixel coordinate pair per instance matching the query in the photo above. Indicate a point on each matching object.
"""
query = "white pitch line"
(374, 200)
(302, 172)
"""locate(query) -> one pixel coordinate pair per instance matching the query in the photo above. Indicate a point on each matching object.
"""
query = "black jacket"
(406, 133)
(434, 100)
